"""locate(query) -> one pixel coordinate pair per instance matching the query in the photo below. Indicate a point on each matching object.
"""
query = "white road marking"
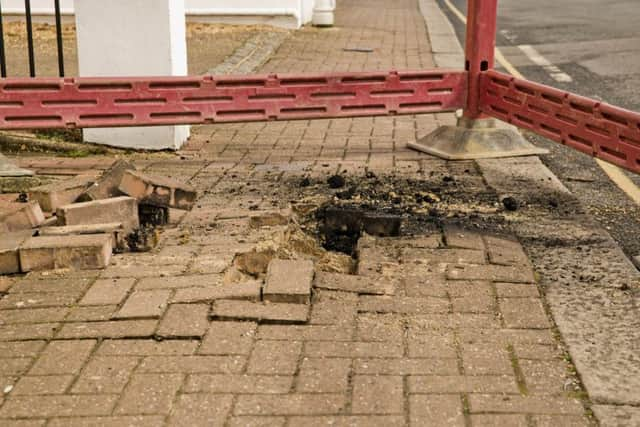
(556, 73)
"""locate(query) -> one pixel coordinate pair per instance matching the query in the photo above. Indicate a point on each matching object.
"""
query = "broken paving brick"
(280, 313)
(289, 281)
(158, 191)
(23, 217)
(143, 239)
(87, 252)
(107, 185)
(118, 209)
(60, 193)
(9, 251)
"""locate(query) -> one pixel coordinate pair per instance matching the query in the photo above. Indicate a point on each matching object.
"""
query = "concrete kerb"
(447, 52)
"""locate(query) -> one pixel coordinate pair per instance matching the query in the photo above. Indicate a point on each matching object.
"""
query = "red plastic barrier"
(596, 128)
(107, 102)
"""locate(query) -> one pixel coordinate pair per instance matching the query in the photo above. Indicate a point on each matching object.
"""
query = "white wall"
(285, 13)
(133, 38)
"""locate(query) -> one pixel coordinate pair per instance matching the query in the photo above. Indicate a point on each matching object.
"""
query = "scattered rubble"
(79, 222)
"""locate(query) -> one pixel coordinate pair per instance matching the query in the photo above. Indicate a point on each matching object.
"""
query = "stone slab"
(9, 251)
(107, 185)
(22, 217)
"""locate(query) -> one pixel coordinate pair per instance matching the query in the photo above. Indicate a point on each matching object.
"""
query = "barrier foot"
(476, 139)
(8, 169)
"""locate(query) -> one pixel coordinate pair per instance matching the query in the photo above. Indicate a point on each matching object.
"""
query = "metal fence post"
(477, 136)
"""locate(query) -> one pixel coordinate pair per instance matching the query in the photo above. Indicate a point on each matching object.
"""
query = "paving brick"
(281, 313)
(107, 292)
(275, 357)
(178, 282)
(545, 376)
(435, 410)
(493, 273)
(403, 305)
(381, 327)
(123, 210)
(185, 320)
(193, 364)
(24, 423)
(523, 313)
(458, 238)
(517, 290)
(33, 315)
(348, 420)
(21, 348)
(149, 394)
(507, 420)
(91, 313)
(26, 301)
(63, 357)
(238, 384)
(144, 304)
(58, 406)
(212, 263)
(406, 366)
(333, 312)
(325, 349)
(147, 347)
(324, 375)
(289, 281)
(22, 217)
(249, 290)
(201, 410)
(105, 375)
(377, 395)
(506, 252)
(443, 256)
(111, 329)
(60, 193)
(305, 333)
(80, 252)
(15, 366)
(106, 186)
(138, 421)
(139, 270)
(485, 359)
(430, 344)
(71, 282)
(257, 421)
(525, 404)
(35, 331)
(431, 384)
(568, 421)
(425, 285)
(352, 283)
(229, 338)
(537, 351)
(40, 385)
(158, 191)
(9, 256)
(289, 404)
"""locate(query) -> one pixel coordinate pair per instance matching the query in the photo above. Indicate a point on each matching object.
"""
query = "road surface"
(590, 47)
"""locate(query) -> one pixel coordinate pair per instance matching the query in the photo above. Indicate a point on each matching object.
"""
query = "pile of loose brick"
(80, 222)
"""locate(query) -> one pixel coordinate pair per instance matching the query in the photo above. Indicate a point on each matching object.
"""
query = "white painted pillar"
(133, 38)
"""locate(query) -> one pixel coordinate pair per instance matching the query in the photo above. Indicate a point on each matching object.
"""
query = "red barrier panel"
(107, 102)
(601, 130)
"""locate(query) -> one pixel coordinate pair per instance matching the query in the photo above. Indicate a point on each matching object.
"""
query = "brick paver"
(446, 328)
